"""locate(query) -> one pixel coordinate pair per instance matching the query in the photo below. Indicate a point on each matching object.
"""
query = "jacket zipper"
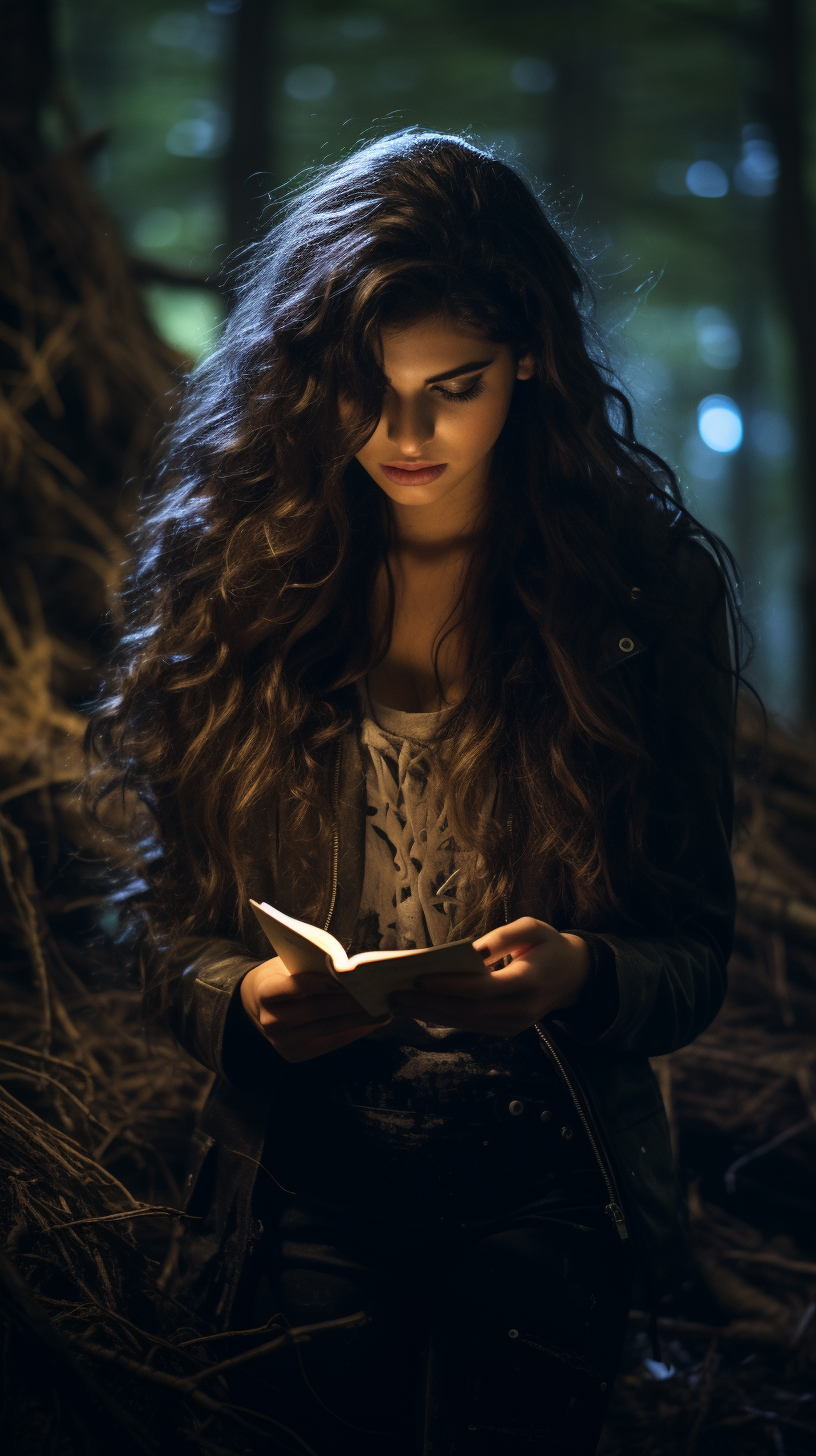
(335, 836)
(613, 1209)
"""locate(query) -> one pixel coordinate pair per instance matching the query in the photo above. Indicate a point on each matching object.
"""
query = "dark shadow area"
(98, 1354)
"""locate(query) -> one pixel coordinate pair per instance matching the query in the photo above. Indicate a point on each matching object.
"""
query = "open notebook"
(372, 974)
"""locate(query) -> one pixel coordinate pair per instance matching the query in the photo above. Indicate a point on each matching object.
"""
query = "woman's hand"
(546, 974)
(304, 1015)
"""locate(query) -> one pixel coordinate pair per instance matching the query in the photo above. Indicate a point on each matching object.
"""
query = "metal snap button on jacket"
(626, 644)
(546, 1116)
(516, 1108)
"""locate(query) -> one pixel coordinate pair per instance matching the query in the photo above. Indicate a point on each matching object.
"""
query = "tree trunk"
(785, 41)
(25, 64)
(249, 164)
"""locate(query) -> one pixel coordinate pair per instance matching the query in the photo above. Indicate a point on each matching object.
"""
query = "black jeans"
(496, 1293)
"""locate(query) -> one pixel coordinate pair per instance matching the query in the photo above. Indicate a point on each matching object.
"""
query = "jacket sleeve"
(199, 980)
(660, 989)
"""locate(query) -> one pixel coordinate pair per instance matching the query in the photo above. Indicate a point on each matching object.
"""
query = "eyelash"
(463, 395)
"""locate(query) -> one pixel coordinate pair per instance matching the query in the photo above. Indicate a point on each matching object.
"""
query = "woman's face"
(448, 395)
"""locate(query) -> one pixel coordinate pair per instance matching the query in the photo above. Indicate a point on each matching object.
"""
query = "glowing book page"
(369, 976)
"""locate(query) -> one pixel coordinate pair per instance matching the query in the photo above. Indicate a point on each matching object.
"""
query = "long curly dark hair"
(249, 607)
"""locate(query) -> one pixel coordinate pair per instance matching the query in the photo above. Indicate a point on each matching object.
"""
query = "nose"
(410, 422)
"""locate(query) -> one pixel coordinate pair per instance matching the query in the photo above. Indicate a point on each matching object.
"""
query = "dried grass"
(94, 1117)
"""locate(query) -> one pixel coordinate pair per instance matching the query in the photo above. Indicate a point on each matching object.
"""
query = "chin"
(417, 495)
(408, 495)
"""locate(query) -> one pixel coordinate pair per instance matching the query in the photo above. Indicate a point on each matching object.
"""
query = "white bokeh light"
(720, 423)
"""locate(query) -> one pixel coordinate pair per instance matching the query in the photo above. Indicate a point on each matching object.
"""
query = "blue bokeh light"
(718, 341)
(203, 132)
(658, 1370)
(757, 172)
(720, 423)
(707, 179)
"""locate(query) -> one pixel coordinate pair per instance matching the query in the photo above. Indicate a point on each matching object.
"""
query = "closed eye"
(462, 395)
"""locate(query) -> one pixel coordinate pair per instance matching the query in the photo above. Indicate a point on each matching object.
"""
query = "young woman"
(425, 647)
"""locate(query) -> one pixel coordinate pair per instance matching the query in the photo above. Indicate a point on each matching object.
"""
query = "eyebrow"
(462, 369)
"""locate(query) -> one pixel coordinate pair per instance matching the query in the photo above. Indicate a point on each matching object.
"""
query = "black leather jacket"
(669, 985)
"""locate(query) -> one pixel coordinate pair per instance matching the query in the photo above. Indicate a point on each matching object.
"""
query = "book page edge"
(302, 927)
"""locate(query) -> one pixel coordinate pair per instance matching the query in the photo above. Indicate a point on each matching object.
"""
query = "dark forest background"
(140, 147)
(675, 139)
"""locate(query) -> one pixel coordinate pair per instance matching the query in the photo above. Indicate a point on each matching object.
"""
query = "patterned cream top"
(415, 871)
(413, 881)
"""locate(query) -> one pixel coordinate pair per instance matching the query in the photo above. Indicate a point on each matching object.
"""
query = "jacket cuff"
(598, 1003)
(246, 1056)
(213, 1029)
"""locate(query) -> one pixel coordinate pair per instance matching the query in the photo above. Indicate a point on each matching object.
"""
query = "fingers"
(316, 1039)
(324, 1026)
(473, 986)
(310, 1010)
(305, 1050)
(306, 1015)
(291, 997)
(279, 983)
(513, 939)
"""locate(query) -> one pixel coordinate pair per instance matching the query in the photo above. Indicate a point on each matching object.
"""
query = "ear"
(526, 367)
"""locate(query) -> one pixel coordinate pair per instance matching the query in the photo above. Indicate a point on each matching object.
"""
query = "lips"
(415, 472)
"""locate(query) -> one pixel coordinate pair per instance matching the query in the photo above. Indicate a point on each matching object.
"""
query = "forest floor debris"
(96, 1125)
(738, 1341)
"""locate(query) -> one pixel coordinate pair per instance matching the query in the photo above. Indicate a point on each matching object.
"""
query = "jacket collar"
(619, 644)
(349, 846)
(618, 641)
